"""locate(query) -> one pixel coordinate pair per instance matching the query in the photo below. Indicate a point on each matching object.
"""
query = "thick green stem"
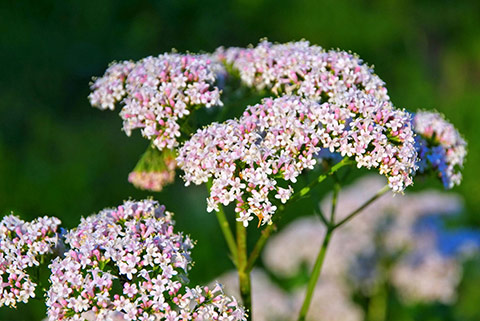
(363, 206)
(243, 273)
(226, 230)
(312, 282)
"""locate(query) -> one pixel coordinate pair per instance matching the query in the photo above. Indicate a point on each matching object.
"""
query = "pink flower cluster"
(440, 147)
(22, 246)
(151, 181)
(273, 142)
(158, 91)
(303, 69)
(154, 170)
(129, 264)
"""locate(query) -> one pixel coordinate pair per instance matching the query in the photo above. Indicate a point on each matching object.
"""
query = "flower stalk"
(317, 268)
(382, 191)
(331, 227)
(243, 273)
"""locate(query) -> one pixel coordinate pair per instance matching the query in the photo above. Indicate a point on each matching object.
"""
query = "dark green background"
(59, 156)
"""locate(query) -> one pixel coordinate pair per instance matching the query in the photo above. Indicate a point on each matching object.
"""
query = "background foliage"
(59, 156)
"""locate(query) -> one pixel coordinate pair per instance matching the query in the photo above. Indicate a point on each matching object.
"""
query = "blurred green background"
(59, 156)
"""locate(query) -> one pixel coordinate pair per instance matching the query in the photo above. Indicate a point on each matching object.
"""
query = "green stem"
(226, 230)
(243, 273)
(363, 206)
(257, 249)
(321, 255)
(312, 282)
(318, 211)
(336, 190)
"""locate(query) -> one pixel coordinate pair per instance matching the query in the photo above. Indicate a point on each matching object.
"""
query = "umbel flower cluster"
(399, 240)
(156, 92)
(22, 246)
(128, 264)
(303, 69)
(440, 147)
(357, 121)
(273, 142)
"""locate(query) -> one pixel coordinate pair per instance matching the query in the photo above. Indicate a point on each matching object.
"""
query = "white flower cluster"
(440, 146)
(22, 246)
(156, 92)
(398, 228)
(303, 69)
(129, 264)
(273, 142)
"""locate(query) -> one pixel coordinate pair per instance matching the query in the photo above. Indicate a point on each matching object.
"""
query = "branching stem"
(363, 206)
(331, 227)
(317, 268)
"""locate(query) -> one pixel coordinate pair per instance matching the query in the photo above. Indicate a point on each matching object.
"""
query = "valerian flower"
(22, 246)
(441, 148)
(156, 92)
(302, 69)
(257, 156)
(129, 264)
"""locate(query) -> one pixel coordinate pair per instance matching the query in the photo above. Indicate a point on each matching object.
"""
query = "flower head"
(22, 246)
(258, 155)
(128, 263)
(156, 92)
(440, 147)
(303, 69)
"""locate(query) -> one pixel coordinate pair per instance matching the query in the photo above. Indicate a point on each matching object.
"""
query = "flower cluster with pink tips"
(303, 69)
(158, 91)
(273, 142)
(151, 181)
(154, 170)
(330, 103)
(128, 264)
(22, 246)
(440, 146)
